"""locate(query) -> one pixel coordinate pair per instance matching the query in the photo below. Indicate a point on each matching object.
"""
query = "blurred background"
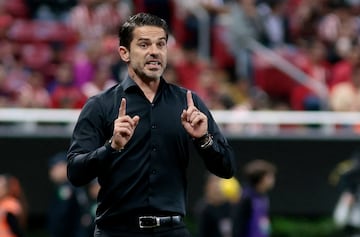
(281, 77)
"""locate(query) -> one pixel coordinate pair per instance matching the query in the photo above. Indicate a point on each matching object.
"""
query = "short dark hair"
(256, 169)
(140, 19)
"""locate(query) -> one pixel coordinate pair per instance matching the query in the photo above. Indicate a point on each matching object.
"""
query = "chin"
(154, 76)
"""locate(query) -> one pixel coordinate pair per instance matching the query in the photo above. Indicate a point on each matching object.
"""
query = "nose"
(153, 49)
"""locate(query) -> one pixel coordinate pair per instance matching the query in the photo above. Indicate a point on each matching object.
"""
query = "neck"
(148, 86)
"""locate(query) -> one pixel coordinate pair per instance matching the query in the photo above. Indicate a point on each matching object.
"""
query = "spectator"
(221, 195)
(252, 212)
(88, 218)
(84, 20)
(161, 8)
(338, 29)
(344, 96)
(112, 13)
(102, 80)
(17, 74)
(50, 10)
(67, 203)
(85, 60)
(34, 94)
(276, 24)
(304, 16)
(347, 210)
(64, 93)
(7, 96)
(245, 26)
(213, 89)
(189, 68)
(342, 70)
(315, 65)
(13, 207)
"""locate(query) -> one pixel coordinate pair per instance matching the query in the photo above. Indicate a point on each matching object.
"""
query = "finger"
(136, 119)
(124, 129)
(122, 109)
(190, 101)
(184, 116)
(193, 114)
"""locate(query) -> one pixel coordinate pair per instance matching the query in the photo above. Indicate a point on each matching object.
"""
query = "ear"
(124, 54)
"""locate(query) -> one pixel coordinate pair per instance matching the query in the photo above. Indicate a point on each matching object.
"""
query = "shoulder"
(105, 96)
(104, 102)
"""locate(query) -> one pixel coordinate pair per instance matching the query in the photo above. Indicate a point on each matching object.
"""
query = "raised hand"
(124, 127)
(194, 121)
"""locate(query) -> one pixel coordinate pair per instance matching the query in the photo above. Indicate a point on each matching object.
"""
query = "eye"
(161, 44)
(143, 45)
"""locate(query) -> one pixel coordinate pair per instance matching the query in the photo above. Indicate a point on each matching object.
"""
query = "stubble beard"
(147, 76)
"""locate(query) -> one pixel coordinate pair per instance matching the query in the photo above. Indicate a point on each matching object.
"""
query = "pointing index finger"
(122, 109)
(190, 101)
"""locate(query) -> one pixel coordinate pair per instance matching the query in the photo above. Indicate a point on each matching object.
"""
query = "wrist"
(205, 141)
(112, 147)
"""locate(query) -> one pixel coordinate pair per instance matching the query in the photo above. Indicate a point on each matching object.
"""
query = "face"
(58, 173)
(267, 182)
(147, 56)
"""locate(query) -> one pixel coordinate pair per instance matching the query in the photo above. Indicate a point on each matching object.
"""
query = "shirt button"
(153, 126)
(153, 171)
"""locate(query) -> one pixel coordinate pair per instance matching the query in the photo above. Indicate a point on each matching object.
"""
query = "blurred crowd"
(57, 53)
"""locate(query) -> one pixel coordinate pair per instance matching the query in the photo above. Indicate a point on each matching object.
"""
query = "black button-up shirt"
(150, 172)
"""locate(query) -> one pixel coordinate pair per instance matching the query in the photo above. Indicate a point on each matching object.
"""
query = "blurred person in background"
(7, 96)
(89, 216)
(34, 94)
(84, 21)
(338, 28)
(50, 10)
(101, 81)
(342, 70)
(345, 96)
(245, 25)
(64, 93)
(251, 217)
(189, 68)
(346, 177)
(112, 13)
(276, 24)
(213, 89)
(161, 8)
(216, 210)
(312, 54)
(304, 16)
(68, 205)
(13, 207)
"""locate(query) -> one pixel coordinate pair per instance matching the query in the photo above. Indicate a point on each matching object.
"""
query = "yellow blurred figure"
(230, 189)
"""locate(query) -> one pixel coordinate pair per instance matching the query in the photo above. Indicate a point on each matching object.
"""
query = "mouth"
(154, 64)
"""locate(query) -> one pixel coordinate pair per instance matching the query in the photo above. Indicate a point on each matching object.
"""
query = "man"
(136, 139)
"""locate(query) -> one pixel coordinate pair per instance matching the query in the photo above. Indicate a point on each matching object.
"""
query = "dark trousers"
(169, 231)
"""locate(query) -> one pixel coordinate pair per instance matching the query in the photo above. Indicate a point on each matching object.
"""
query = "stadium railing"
(60, 122)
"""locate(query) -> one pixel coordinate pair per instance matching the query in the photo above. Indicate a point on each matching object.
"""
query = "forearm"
(218, 158)
(84, 167)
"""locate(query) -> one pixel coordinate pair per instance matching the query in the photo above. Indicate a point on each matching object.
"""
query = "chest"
(162, 116)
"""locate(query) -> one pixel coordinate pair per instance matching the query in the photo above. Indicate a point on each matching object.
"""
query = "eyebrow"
(147, 39)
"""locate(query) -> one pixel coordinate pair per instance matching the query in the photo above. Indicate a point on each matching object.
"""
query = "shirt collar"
(128, 83)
